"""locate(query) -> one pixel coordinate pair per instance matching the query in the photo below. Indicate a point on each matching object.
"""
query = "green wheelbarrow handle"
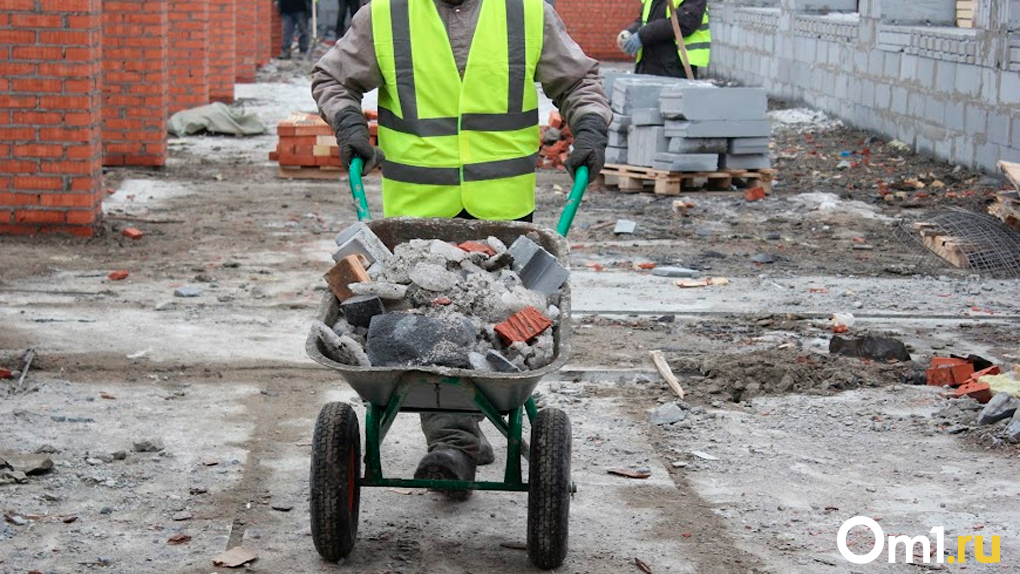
(566, 218)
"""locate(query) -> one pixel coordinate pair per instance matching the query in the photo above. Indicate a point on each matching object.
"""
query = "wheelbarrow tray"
(446, 388)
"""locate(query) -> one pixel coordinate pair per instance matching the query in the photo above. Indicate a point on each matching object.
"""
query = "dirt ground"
(780, 444)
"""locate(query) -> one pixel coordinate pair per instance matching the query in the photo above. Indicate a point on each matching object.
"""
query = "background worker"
(459, 135)
(348, 8)
(294, 14)
(652, 41)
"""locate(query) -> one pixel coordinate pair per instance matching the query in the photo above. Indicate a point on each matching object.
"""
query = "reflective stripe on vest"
(454, 143)
(698, 44)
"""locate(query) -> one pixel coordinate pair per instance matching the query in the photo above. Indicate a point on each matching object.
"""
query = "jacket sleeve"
(690, 15)
(341, 78)
(569, 77)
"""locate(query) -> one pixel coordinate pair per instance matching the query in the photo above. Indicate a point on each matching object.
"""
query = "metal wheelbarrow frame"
(336, 477)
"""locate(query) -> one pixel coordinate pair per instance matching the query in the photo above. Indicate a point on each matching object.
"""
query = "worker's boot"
(284, 55)
(485, 453)
(447, 464)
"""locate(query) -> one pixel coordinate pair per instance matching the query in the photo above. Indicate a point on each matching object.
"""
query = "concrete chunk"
(536, 267)
(686, 162)
(499, 363)
(360, 309)
(341, 348)
(414, 340)
(387, 291)
(358, 239)
(1001, 407)
(717, 129)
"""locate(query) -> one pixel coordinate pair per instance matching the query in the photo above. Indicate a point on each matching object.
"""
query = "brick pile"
(556, 142)
(308, 141)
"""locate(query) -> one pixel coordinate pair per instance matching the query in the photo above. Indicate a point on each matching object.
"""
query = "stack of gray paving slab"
(681, 125)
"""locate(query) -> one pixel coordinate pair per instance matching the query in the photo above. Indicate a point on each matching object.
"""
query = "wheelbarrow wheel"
(549, 489)
(335, 492)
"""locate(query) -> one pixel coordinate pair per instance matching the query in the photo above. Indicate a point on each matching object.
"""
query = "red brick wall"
(50, 92)
(594, 24)
(276, 32)
(135, 82)
(189, 53)
(264, 19)
(245, 35)
(222, 50)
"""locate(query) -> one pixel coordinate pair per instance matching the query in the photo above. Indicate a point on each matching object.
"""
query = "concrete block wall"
(594, 24)
(947, 91)
(87, 83)
(189, 54)
(50, 119)
(222, 50)
(135, 82)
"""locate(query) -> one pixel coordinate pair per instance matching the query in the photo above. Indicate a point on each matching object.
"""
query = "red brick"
(754, 194)
(348, 270)
(523, 326)
(118, 275)
(81, 217)
(38, 216)
(132, 233)
(980, 392)
(35, 182)
(475, 247)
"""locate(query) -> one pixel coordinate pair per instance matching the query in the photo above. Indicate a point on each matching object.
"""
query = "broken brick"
(980, 392)
(6, 374)
(993, 370)
(348, 270)
(132, 233)
(754, 194)
(523, 326)
(476, 247)
(949, 372)
(117, 275)
(555, 120)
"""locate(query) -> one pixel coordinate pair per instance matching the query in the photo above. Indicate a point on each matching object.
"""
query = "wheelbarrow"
(336, 476)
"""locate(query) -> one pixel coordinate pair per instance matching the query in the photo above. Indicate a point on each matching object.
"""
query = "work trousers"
(297, 20)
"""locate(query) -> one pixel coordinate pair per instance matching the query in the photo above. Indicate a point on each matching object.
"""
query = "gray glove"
(591, 136)
(352, 136)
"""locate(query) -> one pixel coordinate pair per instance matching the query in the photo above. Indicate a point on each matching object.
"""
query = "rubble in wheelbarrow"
(479, 305)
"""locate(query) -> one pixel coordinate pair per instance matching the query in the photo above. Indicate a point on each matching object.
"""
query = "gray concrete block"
(891, 65)
(709, 103)
(1015, 143)
(747, 145)
(976, 118)
(934, 110)
(686, 162)
(718, 129)
(647, 117)
(410, 339)
(616, 155)
(358, 239)
(638, 91)
(945, 76)
(998, 128)
(986, 155)
(968, 80)
(955, 116)
(644, 143)
(899, 100)
(1009, 89)
(963, 150)
(620, 123)
(537, 268)
(919, 12)
(618, 138)
(360, 309)
(926, 72)
(698, 145)
(908, 71)
(744, 161)
(883, 95)
(915, 104)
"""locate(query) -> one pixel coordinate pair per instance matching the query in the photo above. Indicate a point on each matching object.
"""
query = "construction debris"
(478, 305)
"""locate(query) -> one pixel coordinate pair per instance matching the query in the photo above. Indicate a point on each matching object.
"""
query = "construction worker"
(294, 14)
(652, 41)
(458, 128)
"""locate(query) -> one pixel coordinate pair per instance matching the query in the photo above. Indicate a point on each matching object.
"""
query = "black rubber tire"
(549, 489)
(334, 481)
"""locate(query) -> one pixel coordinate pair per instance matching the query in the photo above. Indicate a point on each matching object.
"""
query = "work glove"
(352, 136)
(621, 39)
(591, 135)
(633, 44)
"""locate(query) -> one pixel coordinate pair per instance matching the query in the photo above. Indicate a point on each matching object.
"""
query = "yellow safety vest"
(699, 44)
(455, 143)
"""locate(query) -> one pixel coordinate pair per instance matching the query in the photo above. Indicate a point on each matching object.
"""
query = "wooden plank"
(667, 374)
(1012, 171)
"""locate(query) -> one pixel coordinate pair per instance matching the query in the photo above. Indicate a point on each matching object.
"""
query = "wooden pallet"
(297, 172)
(1007, 209)
(631, 178)
(945, 246)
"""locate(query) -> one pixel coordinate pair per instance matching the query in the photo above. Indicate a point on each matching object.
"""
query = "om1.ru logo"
(910, 543)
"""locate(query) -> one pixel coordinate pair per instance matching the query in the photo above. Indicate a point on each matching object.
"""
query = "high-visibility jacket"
(699, 44)
(454, 143)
